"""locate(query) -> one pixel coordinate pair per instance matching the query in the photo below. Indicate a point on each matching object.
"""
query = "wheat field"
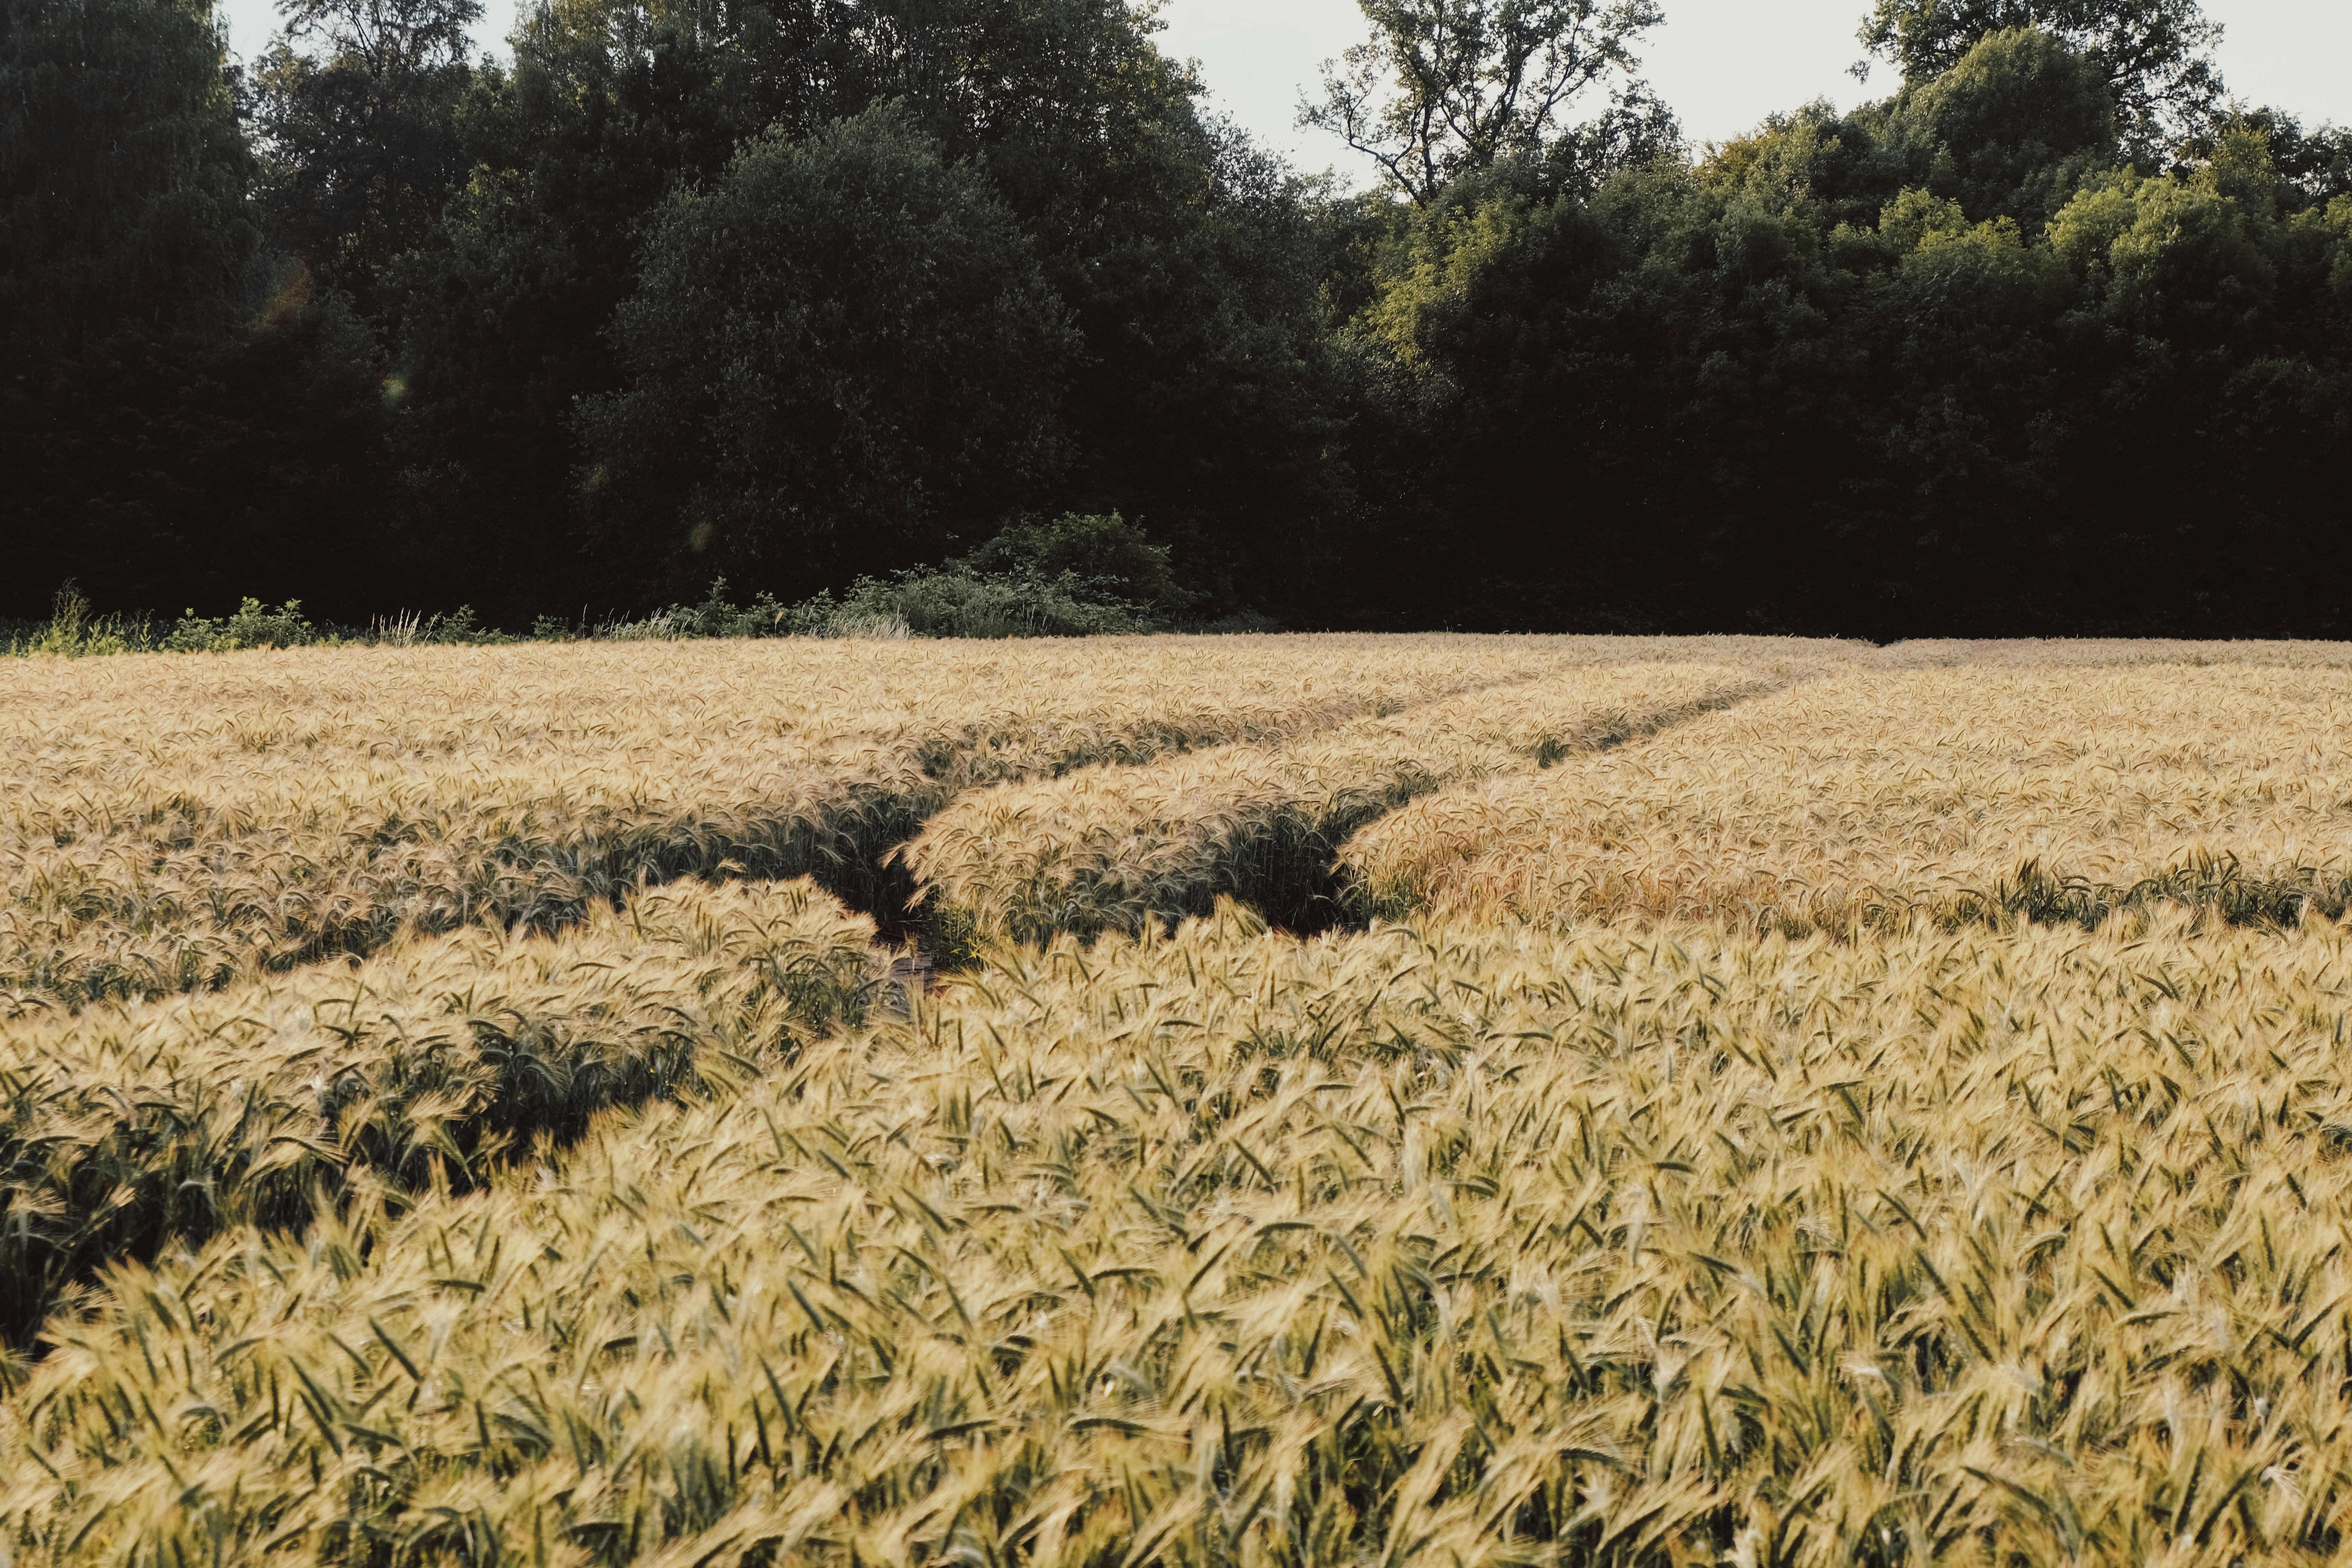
(1117, 847)
(1379, 1100)
(168, 824)
(1873, 796)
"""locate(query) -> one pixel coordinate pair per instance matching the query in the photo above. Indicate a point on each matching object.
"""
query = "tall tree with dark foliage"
(179, 416)
(1194, 397)
(356, 103)
(840, 352)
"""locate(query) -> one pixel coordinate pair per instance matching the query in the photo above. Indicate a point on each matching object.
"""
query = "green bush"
(1114, 560)
(714, 618)
(1074, 576)
(254, 625)
(956, 601)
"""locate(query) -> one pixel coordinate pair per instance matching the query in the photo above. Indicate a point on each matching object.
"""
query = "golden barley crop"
(1113, 848)
(169, 823)
(1988, 788)
(1470, 1245)
(123, 1126)
(1817, 1119)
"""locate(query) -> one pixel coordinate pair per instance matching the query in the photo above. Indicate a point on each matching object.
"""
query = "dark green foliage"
(1106, 554)
(956, 601)
(2010, 129)
(178, 411)
(359, 133)
(806, 297)
(2314, 166)
(74, 631)
(1940, 365)
(123, 174)
(1071, 576)
(840, 357)
(1200, 393)
(2154, 54)
(1209, 400)
(504, 314)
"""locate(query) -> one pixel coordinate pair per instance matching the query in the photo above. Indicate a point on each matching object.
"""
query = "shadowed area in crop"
(1117, 848)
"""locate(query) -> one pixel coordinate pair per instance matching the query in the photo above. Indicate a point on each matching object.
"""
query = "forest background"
(2053, 339)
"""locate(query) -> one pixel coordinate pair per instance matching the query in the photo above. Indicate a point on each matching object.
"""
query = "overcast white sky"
(1722, 64)
(1725, 64)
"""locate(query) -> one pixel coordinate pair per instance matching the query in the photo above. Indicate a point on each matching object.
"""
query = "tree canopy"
(360, 149)
(2155, 55)
(842, 349)
(1445, 87)
(2051, 337)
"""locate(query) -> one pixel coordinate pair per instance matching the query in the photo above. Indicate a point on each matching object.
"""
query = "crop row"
(1990, 791)
(169, 824)
(1112, 848)
(123, 1129)
(1475, 1245)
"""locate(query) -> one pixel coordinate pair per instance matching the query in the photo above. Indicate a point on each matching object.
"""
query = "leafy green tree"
(1445, 88)
(1207, 401)
(124, 251)
(2314, 165)
(2209, 418)
(503, 310)
(2011, 128)
(2184, 262)
(2155, 54)
(1942, 362)
(122, 171)
(1966, 365)
(842, 354)
(177, 414)
(1204, 402)
(1636, 128)
(360, 141)
(1626, 403)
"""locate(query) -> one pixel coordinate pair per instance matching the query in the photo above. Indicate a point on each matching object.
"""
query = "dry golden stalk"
(1642, 1248)
(1988, 791)
(1500, 1239)
(170, 823)
(1113, 849)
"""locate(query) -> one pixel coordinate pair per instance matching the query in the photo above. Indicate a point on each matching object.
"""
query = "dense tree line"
(2056, 337)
